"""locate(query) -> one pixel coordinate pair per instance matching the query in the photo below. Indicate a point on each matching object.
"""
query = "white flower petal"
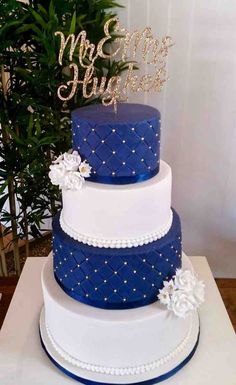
(85, 169)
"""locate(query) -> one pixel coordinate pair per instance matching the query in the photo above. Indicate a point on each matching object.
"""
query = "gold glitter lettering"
(129, 46)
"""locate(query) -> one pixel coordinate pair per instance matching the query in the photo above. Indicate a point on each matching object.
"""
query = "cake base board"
(88, 377)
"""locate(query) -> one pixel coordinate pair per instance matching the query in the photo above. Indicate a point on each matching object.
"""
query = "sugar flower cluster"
(183, 293)
(68, 171)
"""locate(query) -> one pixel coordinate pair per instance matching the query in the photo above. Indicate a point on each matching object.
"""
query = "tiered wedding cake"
(119, 305)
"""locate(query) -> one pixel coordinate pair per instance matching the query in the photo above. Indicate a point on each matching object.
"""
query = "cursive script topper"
(127, 48)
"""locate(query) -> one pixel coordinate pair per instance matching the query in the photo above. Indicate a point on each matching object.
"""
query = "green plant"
(35, 124)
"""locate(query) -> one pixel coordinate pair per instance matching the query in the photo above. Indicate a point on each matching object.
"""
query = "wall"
(198, 118)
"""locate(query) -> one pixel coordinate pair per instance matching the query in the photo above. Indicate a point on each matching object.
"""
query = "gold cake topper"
(127, 47)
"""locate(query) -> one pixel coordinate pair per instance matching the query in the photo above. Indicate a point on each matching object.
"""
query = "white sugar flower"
(164, 296)
(169, 286)
(59, 159)
(85, 169)
(181, 303)
(57, 174)
(184, 280)
(68, 172)
(71, 161)
(73, 180)
(199, 292)
(183, 294)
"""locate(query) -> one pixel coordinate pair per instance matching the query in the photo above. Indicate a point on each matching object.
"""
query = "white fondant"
(117, 243)
(115, 370)
(123, 343)
(119, 216)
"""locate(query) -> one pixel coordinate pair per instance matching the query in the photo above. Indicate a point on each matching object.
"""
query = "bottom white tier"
(114, 346)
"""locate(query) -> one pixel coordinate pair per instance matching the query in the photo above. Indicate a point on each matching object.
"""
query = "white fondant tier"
(119, 216)
(113, 346)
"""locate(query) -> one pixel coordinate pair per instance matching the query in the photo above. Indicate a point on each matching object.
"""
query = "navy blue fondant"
(152, 381)
(119, 147)
(115, 278)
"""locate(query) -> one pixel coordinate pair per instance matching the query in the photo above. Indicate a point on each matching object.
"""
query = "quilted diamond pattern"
(115, 278)
(118, 150)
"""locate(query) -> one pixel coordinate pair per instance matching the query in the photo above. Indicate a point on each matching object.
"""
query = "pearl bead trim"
(117, 243)
(116, 371)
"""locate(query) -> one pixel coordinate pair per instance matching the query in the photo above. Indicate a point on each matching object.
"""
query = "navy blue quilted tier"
(122, 148)
(115, 278)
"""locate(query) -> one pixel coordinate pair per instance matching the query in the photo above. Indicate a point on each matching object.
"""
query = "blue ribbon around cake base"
(123, 179)
(152, 381)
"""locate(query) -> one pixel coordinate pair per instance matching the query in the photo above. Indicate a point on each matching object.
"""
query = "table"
(23, 362)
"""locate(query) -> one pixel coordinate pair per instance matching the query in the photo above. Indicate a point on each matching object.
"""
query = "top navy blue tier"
(115, 278)
(121, 148)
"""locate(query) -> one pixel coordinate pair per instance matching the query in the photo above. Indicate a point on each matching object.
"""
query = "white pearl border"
(116, 371)
(117, 243)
